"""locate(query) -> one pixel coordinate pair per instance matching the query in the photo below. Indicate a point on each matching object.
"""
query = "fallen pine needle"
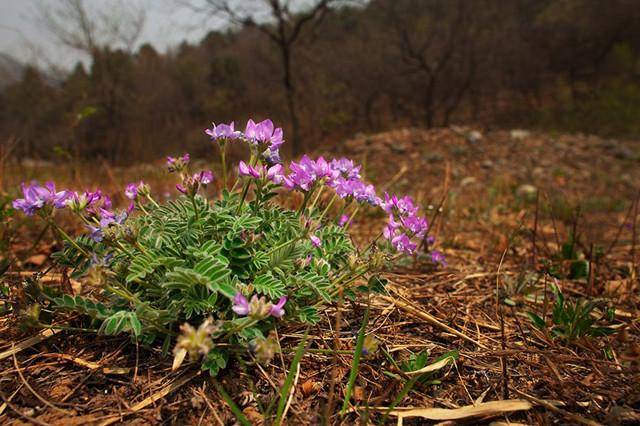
(27, 343)
(430, 319)
(171, 387)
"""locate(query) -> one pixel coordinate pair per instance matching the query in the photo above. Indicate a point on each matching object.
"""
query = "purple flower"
(276, 174)
(322, 169)
(277, 310)
(223, 132)
(245, 169)
(356, 189)
(205, 177)
(264, 132)
(366, 194)
(346, 168)
(272, 156)
(305, 173)
(191, 184)
(416, 225)
(343, 220)
(317, 242)
(240, 304)
(131, 191)
(438, 257)
(403, 206)
(78, 202)
(403, 243)
(107, 219)
(178, 164)
(392, 226)
(36, 197)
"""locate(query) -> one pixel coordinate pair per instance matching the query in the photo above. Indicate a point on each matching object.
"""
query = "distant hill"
(10, 70)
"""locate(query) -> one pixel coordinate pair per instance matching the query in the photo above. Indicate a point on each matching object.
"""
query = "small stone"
(519, 134)
(527, 192)
(487, 164)
(468, 181)
(432, 157)
(474, 136)
(398, 148)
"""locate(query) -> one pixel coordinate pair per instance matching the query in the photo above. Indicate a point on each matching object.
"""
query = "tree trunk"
(290, 92)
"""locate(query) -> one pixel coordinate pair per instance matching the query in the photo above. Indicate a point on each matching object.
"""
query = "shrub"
(235, 264)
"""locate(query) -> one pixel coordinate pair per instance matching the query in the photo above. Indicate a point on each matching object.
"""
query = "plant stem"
(252, 162)
(353, 213)
(223, 163)
(315, 200)
(68, 238)
(279, 246)
(152, 201)
(232, 405)
(67, 328)
(355, 366)
(333, 199)
(288, 381)
(307, 195)
(195, 207)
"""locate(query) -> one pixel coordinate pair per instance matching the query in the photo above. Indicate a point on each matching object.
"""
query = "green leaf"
(270, 286)
(215, 361)
(579, 270)
(536, 320)
(308, 315)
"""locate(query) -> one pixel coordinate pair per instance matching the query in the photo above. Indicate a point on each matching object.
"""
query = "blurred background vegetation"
(325, 70)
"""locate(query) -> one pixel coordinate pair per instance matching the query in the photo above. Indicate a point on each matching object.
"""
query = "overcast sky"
(23, 37)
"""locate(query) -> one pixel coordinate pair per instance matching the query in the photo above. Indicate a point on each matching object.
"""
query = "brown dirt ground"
(493, 232)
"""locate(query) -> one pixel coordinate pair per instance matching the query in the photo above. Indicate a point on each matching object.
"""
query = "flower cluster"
(404, 224)
(106, 221)
(135, 190)
(79, 202)
(262, 135)
(258, 307)
(223, 132)
(37, 197)
(191, 184)
(178, 164)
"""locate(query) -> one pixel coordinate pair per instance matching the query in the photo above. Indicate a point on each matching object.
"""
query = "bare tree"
(283, 25)
(78, 26)
(437, 46)
(108, 35)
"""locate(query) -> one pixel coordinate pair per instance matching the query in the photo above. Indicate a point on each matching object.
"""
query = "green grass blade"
(288, 382)
(232, 405)
(356, 363)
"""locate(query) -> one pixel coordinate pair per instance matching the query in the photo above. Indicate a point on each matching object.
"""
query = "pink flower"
(245, 169)
(277, 310)
(276, 174)
(240, 304)
(315, 241)
(131, 191)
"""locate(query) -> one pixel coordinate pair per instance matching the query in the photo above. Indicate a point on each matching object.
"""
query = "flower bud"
(264, 349)
(370, 345)
(258, 307)
(377, 260)
(195, 342)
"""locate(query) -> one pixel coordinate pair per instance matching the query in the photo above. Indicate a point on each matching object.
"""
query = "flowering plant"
(236, 263)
